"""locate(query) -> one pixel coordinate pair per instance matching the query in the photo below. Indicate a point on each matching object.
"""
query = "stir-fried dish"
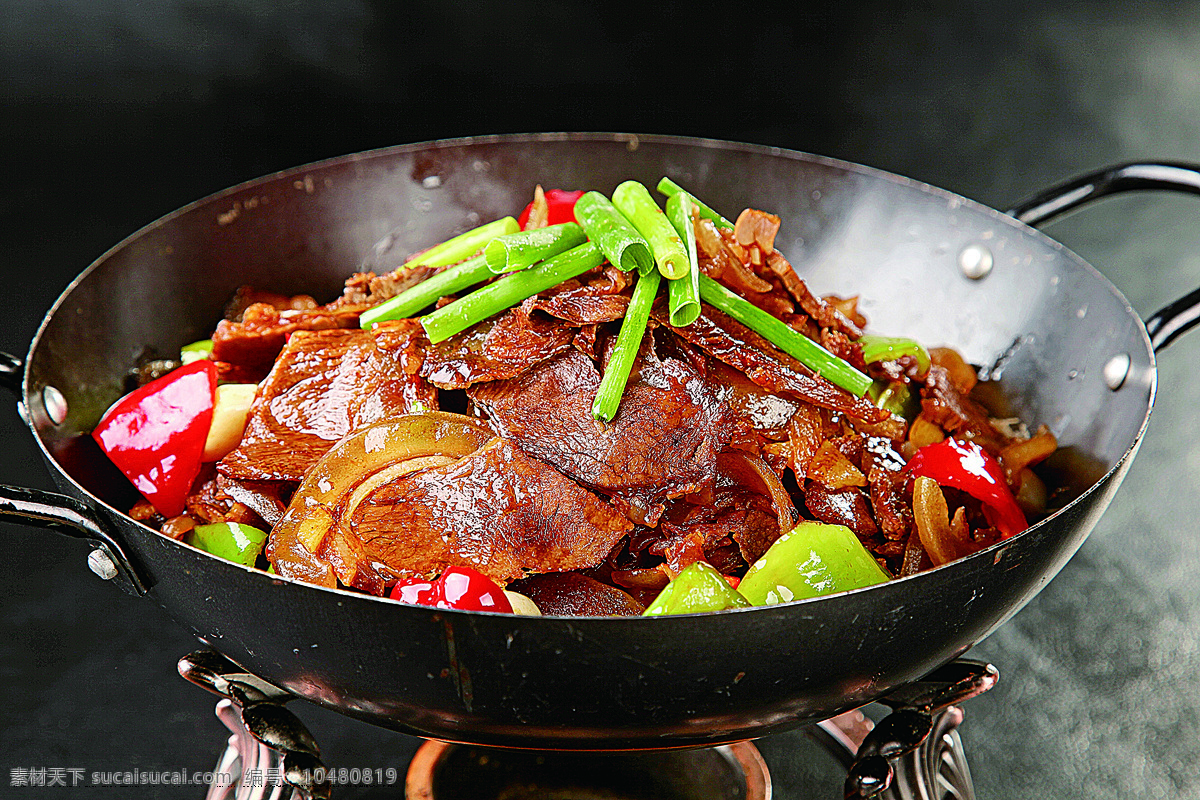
(598, 408)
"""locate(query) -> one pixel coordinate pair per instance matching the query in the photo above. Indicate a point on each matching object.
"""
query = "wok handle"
(1174, 319)
(11, 370)
(71, 517)
(62, 513)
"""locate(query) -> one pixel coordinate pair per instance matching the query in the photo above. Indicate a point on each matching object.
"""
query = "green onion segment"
(620, 242)
(683, 294)
(629, 341)
(426, 293)
(669, 187)
(517, 251)
(464, 245)
(839, 372)
(507, 292)
(635, 202)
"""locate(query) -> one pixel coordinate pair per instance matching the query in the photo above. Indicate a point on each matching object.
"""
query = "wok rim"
(631, 140)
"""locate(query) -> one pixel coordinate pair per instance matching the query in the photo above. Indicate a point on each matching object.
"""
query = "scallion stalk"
(517, 251)
(426, 293)
(464, 245)
(620, 242)
(629, 341)
(505, 293)
(635, 202)
(671, 188)
(839, 372)
(683, 294)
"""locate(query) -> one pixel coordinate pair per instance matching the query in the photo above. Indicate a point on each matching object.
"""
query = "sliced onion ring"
(357, 465)
(752, 472)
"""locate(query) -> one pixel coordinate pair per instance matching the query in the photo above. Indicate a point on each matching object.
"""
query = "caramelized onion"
(756, 227)
(831, 467)
(961, 373)
(752, 472)
(1024, 453)
(366, 458)
(944, 539)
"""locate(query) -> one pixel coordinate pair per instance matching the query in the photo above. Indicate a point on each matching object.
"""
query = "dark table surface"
(111, 116)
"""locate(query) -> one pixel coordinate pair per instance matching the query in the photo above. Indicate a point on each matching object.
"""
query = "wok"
(927, 263)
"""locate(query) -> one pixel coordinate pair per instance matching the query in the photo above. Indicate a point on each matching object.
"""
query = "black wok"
(1059, 334)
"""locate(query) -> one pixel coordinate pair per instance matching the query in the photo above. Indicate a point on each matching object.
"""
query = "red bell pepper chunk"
(560, 207)
(416, 591)
(967, 466)
(155, 434)
(458, 587)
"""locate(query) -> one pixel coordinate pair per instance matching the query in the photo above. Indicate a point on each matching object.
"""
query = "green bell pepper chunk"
(697, 588)
(812, 559)
(196, 351)
(896, 398)
(231, 541)
(889, 348)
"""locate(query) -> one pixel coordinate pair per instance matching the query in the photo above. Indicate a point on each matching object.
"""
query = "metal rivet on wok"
(975, 261)
(55, 405)
(1116, 370)
(101, 563)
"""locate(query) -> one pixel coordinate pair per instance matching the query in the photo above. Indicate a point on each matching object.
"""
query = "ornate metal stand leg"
(270, 754)
(915, 752)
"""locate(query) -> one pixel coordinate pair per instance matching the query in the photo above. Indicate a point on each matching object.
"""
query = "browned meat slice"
(324, 385)
(266, 498)
(580, 307)
(253, 343)
(366, 289)
(490, 351)
(945, 404)
(497, 510)
(759, 410)
(887, 499)
(735, 516)
(235, 373)
(247, 296)
(731, 342)
(209, 503)
(720, 259)
(662, 444)
(847, 506)
(825, 314)
(570, 594)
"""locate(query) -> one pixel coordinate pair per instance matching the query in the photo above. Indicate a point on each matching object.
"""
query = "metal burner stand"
(914, 753)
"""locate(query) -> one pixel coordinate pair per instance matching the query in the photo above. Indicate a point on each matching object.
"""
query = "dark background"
(114, 113)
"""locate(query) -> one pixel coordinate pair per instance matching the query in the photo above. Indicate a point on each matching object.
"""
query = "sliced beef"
(570, 594)
(753, 406)
(209, 503)
(253, 343)
(580, 307)
(662, 444)
(497, 510)
(892, 509)
(511, 345)
(741, 348)
(946, 405)
(366, 289)
(847, 506)
(266, 498)
(734, 516)
(825, 314)
(247, 296)
(325, 385)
